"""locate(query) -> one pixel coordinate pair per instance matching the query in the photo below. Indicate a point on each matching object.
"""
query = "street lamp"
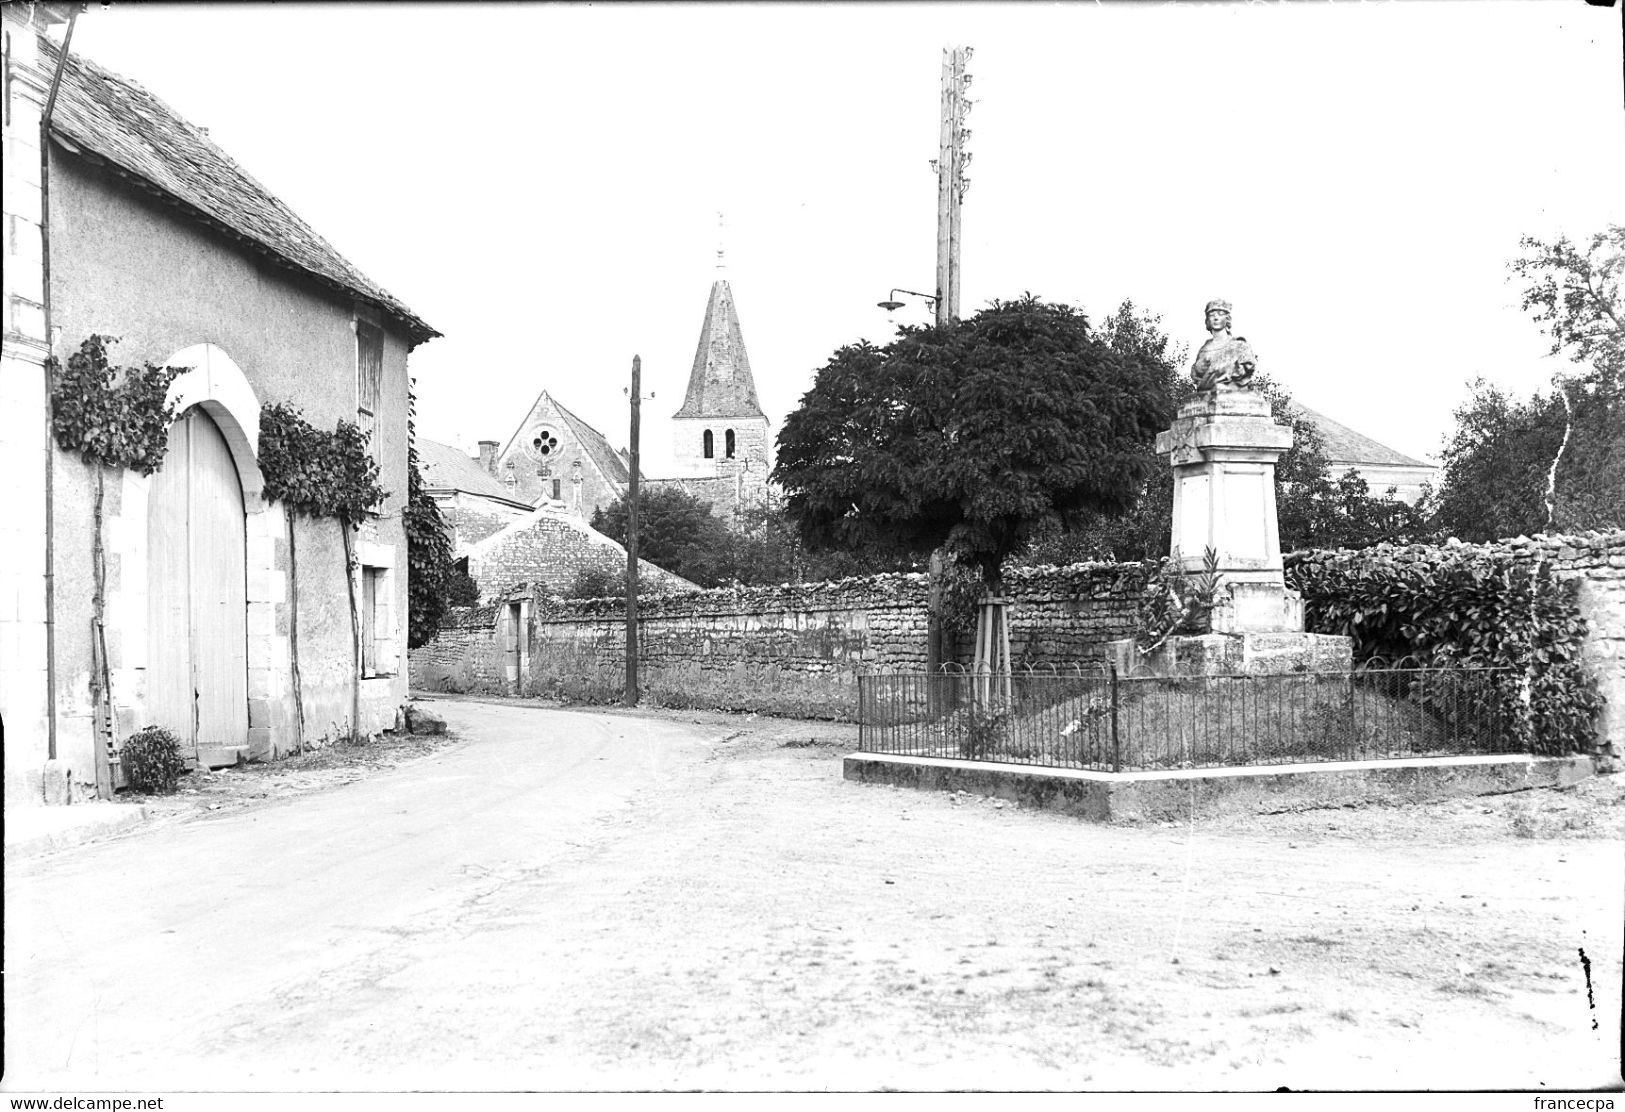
(891, 304)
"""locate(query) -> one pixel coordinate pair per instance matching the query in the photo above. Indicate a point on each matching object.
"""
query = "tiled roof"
(1344, 445)
(118, 122)
(596, 445)
(720, 384)
(446, 468)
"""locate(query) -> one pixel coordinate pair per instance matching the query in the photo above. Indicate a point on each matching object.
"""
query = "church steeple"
(720, 384)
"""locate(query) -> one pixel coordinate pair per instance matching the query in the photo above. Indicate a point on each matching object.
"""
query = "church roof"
(1345, 446)
(720, 385)
(117, 122)
(610, 463)
(596, 445)
(444, 467)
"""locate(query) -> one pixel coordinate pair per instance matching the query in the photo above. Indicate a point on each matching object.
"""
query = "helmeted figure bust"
(1223, 359)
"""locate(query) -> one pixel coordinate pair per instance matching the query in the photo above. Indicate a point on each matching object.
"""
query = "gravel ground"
(773, 926)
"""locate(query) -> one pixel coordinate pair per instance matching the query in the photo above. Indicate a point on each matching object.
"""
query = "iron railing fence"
(1097, 719)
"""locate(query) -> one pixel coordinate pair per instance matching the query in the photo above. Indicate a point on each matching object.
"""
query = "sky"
(542, 183)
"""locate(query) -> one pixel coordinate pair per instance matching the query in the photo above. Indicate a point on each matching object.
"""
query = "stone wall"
(1597, 561)
(798, 648)
(466, 655)
(793, 649)
(471, 518)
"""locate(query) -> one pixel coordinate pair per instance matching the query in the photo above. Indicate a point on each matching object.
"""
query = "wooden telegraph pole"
(951, 186)
(951, 180)
(631, 693)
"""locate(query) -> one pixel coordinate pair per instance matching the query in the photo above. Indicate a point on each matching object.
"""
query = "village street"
(573, 899)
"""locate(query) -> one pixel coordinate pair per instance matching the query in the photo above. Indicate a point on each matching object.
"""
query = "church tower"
(721, 430)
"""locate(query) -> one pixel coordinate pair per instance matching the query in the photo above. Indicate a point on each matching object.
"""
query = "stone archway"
(215, 387)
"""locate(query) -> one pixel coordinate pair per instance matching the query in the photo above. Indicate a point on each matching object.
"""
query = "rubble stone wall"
(794, 649)
(1597, 560)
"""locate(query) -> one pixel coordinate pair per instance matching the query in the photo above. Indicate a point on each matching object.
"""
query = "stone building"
(721, 449)
(131, 223)
(471, 500)
(556, 457)
(722, 452)
(1379, 465)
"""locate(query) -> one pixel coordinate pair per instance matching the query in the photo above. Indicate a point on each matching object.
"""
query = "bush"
(1464, 605)
(597, 581)
(152, 761)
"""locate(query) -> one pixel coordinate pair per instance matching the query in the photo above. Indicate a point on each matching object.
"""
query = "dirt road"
(569, 900)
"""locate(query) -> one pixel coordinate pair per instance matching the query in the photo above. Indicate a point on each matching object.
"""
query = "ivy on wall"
(429, 562)
(318, 474)
(1463, 605)
(315, 473)
(111, 416)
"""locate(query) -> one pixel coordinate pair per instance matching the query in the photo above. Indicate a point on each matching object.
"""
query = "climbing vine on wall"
(1476, 605)
(315, 473)
(428, 549)
(318, 474)
(111, 416)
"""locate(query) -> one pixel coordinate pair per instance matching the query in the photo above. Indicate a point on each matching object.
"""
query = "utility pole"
(951, 186)
(631, 693)
(951, 180)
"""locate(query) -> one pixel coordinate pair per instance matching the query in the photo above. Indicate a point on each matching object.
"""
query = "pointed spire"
(720, 384)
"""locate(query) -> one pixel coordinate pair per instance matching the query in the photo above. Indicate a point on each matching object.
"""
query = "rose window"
(543, 443)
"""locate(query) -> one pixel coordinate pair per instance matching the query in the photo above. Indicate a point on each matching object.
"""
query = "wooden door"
(197, 652)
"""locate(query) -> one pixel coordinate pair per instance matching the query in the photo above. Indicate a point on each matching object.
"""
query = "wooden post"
(951, 182)
(630, 696)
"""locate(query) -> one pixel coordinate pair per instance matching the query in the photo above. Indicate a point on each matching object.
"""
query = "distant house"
(1379, 465)
(143, 229)
(471, 500)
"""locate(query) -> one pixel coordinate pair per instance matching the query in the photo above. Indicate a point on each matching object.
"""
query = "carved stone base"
(1215, 654)
(1243, 607)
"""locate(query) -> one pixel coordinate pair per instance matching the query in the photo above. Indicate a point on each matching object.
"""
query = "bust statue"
(1223, 359)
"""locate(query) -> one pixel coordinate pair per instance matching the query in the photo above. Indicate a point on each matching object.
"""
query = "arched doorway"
(197, 600)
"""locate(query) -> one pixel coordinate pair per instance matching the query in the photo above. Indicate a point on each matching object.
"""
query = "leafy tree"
(764, 548)
(1498, 463)
(1314, 509)
(1557, 459)
(428, 558)
(969, 437)
(1575, 296)
(462, 589)
(676, 531)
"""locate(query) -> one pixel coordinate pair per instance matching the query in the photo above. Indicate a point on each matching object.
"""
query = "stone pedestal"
(1221, 654)
(1223, 447)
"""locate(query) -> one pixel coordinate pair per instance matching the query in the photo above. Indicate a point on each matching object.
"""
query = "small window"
(728, 443)
(556, 490)
(710, 450)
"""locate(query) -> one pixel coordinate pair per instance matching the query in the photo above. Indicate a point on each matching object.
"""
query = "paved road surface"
(572, 900)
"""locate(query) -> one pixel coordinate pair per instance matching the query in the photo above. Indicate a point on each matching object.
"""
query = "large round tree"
(971, 436)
